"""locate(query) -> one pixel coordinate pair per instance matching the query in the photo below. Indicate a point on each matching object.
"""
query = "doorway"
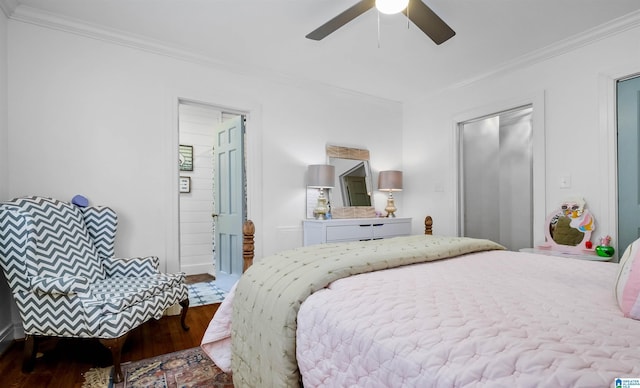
(197, 127)
(496, 177)
(628, 128)
(354, 180)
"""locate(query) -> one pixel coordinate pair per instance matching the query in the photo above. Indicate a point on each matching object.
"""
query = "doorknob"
(214, 215)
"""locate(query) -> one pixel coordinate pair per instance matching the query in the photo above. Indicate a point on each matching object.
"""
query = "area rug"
(205, 293)
(186, 368)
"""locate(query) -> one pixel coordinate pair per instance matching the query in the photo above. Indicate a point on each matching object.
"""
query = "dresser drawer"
(353, 229)
(349, 232)
(391, 230)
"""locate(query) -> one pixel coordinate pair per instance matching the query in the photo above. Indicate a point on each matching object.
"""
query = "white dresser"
(354, 229)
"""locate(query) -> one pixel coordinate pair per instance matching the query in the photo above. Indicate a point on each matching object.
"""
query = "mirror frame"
(550, 242)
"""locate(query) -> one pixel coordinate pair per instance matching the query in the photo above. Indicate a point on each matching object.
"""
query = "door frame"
(253, 155)
(608, 157)
(536, 100)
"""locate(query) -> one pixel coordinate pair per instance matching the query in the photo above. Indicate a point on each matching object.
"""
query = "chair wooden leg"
(115, 345)
(183, 315)
(29, 355)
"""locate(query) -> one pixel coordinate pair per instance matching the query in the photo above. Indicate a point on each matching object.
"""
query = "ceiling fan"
(417, 11)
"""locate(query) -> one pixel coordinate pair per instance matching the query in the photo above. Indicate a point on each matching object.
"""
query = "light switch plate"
(565, 181)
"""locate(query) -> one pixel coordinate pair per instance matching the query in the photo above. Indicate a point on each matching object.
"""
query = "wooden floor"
(64, 360)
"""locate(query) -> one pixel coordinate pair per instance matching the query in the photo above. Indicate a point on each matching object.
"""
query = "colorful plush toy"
(581, 218)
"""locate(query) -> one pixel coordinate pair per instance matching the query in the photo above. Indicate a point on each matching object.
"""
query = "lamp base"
(320, 212)
(391, 206)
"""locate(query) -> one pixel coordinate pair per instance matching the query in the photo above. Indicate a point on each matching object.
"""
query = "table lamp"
(321, 176)
(390, 181)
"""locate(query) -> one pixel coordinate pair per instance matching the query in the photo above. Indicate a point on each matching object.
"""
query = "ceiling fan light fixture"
(391, 7)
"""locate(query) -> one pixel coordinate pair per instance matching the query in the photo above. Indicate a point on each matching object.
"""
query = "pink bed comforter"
(495, 318)
(216, 341)
(487, 319)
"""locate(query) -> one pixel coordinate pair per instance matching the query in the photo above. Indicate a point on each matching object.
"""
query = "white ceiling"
(268, 36)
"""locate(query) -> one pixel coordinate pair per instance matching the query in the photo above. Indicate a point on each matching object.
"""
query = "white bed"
(493, 318)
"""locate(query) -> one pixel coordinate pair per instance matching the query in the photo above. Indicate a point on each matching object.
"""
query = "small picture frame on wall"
(185, 184)
(185, 157)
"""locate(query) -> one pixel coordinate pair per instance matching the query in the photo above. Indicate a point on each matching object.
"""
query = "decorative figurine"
(605, 249)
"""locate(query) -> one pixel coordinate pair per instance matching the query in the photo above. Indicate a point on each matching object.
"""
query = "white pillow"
(628, 282)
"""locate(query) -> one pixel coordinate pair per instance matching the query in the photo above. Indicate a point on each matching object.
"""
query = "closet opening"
(496, 177)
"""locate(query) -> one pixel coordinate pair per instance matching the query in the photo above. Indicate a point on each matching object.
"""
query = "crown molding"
(50, 20)
(8, 6)
(46, 19)
(53, 21)
(613, 27)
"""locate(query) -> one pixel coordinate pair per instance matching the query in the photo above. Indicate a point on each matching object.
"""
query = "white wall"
(6, 301)
(91, 117)
(4, 141)
(578, 134)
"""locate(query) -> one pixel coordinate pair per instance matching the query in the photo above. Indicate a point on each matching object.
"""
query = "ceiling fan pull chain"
(378, 29)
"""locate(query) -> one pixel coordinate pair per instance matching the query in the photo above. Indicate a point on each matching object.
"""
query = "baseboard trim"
(197, 269)
(7, 336)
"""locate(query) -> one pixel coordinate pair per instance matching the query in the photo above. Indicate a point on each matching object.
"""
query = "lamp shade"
(390, 180)
(321, 175)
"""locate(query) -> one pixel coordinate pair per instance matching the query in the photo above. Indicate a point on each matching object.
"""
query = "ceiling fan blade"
(342, 19)
(427, 20)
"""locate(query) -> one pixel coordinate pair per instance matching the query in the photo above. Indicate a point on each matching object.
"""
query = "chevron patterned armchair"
(59, 262)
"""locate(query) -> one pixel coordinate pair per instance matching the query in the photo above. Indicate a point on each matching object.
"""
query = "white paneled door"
(229, 201)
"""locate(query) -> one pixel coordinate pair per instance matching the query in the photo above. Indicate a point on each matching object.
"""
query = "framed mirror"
(353, 182)
(353, 186)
